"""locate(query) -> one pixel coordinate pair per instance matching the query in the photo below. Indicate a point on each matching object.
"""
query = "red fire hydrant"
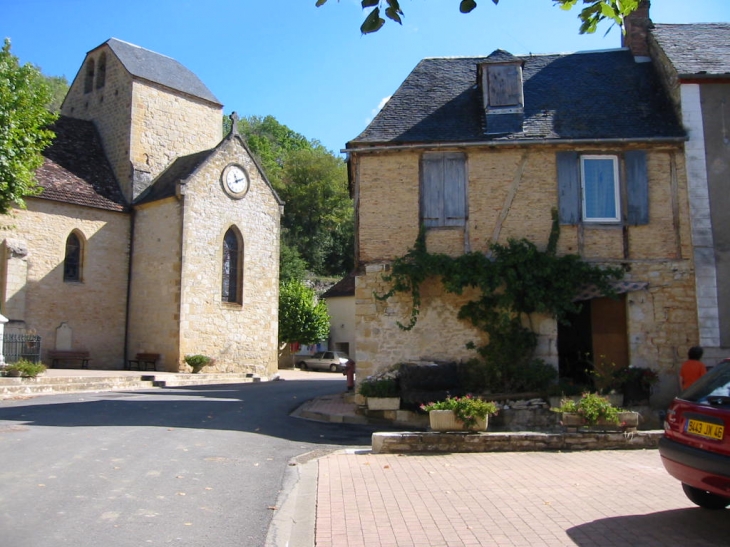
(350, 373)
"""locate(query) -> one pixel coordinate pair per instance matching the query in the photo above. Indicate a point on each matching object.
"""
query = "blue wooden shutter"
(637, 187)
(432, 199)
(454, 190)
(568, 187)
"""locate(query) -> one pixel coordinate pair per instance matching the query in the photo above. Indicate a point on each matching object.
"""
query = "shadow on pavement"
(259, 408)
(677, 528)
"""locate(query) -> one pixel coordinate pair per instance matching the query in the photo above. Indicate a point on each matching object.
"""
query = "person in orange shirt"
(692, 369)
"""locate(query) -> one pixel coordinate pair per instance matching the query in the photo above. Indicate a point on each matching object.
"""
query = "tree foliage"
(318, 216)
(594, 12)
(301, 318)
(24, 133)
(318, 222)
(58, 86)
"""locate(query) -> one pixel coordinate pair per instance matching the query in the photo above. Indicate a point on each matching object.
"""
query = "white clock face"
(236, 179)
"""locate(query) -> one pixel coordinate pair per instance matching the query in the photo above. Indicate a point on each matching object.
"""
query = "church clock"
(235, 180)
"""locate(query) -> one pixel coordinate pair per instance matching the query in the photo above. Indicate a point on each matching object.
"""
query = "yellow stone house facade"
(154, 233)
(480, 150)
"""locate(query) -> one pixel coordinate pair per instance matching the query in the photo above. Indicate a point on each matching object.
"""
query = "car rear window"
(713, 388)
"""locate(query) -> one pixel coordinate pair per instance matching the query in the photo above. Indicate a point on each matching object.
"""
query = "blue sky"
(309, 67)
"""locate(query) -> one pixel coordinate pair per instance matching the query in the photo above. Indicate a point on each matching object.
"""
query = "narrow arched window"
(72, 262)
(89, 78)
(101, 72)
(232, 278)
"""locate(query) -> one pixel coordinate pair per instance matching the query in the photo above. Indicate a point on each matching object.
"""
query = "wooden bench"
(57, 355)
(144, 359)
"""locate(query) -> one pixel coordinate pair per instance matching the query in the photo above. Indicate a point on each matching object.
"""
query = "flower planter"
(446, 420)
(628, 421)
(383, 403)
(616, 399)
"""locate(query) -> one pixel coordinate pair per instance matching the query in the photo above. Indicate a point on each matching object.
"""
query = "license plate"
(705, 429)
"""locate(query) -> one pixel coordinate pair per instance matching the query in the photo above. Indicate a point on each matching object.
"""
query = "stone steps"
(17, 387)
(204, 379)
(41, 386)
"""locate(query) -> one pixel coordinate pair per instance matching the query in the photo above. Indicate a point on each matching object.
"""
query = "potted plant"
(460, 413)
(593, 409)
(197, 362)
(381, 393)
(25, 368)
(637, 384)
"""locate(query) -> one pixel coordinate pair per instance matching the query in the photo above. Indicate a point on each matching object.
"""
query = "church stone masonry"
(152, 233)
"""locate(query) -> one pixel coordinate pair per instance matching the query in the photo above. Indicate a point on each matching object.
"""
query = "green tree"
(591, 15)
(271, 142)
(318, 222)
(301, 318)
(292, 267)
(318, 216)
(59, 87)
(24, 133)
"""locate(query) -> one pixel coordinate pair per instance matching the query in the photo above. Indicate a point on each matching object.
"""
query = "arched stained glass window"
(72, 261)
(232, 278)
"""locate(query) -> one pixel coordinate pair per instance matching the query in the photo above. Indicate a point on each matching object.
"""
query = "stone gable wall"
(94, 308)
(242, 338)
(662, 319)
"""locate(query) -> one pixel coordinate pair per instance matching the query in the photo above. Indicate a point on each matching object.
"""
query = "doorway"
(594, 341)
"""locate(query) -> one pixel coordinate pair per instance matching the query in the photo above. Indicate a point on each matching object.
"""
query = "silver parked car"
(334, 361)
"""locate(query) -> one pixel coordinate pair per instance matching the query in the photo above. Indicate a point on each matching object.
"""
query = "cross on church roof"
(234, 123)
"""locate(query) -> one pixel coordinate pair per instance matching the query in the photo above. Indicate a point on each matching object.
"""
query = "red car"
(696, 445)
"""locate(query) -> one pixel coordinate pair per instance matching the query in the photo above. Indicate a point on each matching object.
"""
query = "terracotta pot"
(446, 420)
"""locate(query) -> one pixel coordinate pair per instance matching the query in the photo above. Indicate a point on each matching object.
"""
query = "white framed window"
(600, 188)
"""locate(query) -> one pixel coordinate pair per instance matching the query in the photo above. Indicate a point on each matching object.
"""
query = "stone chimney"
(636, 30)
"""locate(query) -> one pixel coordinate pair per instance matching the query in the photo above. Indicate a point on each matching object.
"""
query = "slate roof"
(75, 168)
(696, 49)
(165, 185)
(344, 287)
(594, 95)
(146, 64)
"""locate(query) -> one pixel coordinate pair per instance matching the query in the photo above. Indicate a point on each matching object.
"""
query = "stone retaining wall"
(442, 443)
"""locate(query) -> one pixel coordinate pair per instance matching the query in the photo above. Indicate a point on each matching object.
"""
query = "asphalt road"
(198, 466)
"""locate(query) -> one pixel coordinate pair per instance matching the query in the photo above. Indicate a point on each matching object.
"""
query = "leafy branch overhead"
(594, 12)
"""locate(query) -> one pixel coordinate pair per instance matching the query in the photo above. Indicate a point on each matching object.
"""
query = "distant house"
(694, 61)
(340, 300)
(479, 150)
(153, 233)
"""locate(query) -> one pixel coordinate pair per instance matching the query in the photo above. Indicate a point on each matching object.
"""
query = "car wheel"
(334, 368)
(706, 500)
(302, 365)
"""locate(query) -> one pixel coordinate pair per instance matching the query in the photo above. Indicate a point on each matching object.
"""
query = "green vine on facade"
(513, 281)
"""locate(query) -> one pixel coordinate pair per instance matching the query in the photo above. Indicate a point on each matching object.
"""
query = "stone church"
(153, 232)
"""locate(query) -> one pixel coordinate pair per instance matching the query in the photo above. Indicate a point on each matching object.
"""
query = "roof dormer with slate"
(500, 81)
(599, 96)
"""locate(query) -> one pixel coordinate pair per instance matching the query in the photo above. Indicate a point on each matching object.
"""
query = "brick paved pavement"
(608, 498)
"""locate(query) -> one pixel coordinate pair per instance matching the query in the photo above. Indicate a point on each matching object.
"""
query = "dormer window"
(504, 86)
(500, 80)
